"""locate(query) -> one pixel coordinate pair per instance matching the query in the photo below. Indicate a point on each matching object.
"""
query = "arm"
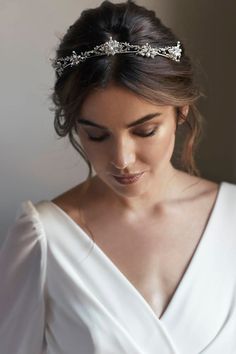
(22, 285)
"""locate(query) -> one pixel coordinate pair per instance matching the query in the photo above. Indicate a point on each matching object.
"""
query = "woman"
(139, 258)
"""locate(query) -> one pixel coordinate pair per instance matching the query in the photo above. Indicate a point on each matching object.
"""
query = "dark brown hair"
(159, 80)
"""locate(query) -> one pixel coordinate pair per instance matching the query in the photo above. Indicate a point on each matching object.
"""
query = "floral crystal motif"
(113, 47)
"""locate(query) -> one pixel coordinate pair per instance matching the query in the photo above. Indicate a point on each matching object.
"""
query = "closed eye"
(145, 134)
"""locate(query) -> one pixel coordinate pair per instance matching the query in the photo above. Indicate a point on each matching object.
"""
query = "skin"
(126, 151)
(159, 219)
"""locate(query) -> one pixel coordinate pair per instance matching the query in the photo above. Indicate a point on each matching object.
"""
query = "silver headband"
(113, 47)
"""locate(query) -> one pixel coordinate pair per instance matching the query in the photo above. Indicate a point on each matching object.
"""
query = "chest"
(153, 254)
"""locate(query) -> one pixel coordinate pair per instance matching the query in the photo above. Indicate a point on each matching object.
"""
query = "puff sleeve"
(22, 284)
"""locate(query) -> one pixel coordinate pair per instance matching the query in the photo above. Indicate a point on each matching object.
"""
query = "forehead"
(118, 104)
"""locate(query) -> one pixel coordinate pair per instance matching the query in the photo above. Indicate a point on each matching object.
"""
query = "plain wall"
(208, 29)
(35, 164)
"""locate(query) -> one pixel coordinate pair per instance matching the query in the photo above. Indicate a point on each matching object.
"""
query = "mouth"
(128, 179)
(128, 175)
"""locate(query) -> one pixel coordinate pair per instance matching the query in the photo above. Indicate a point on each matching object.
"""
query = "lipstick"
(128, 179)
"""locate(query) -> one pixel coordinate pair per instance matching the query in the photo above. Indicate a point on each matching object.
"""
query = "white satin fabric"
(61, 294)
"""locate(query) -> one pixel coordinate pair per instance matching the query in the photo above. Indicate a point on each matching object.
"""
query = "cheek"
(94, 152)
(162, 148)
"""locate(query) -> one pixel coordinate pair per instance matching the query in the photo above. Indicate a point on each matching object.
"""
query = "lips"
(128, 179)
(129, 176)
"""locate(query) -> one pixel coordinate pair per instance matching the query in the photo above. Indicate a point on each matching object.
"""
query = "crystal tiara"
(113, 47)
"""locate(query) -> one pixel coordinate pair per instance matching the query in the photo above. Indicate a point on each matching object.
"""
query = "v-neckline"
(200, 244)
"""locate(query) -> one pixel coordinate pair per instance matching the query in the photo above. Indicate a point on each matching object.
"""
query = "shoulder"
(27, 224)
(211, 191)
(228, 196)
(24, 248)
(23, 260)
(75, 199)
(197, 188)
(229, 187)
(200, 185)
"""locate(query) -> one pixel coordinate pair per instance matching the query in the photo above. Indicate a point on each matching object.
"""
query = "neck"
(159, 190)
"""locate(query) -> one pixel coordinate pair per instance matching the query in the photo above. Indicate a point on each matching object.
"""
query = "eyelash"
(102, 138)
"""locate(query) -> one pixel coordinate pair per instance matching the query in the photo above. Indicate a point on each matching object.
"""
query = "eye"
(97, 138)
(143, 134)
(147, 133)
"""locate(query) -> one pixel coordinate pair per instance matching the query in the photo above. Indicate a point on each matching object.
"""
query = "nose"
(123, 153)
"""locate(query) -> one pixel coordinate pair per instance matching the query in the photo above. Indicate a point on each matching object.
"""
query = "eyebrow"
(132, 124)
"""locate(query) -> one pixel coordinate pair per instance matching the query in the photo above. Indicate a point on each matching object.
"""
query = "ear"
(182, 111)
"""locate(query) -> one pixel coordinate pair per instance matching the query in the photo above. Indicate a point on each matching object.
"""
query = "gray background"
(35, 164)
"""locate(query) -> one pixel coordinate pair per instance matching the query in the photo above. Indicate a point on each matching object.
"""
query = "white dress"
(61, 294)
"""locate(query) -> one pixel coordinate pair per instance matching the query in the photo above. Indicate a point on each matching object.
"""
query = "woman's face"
(117, 141)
